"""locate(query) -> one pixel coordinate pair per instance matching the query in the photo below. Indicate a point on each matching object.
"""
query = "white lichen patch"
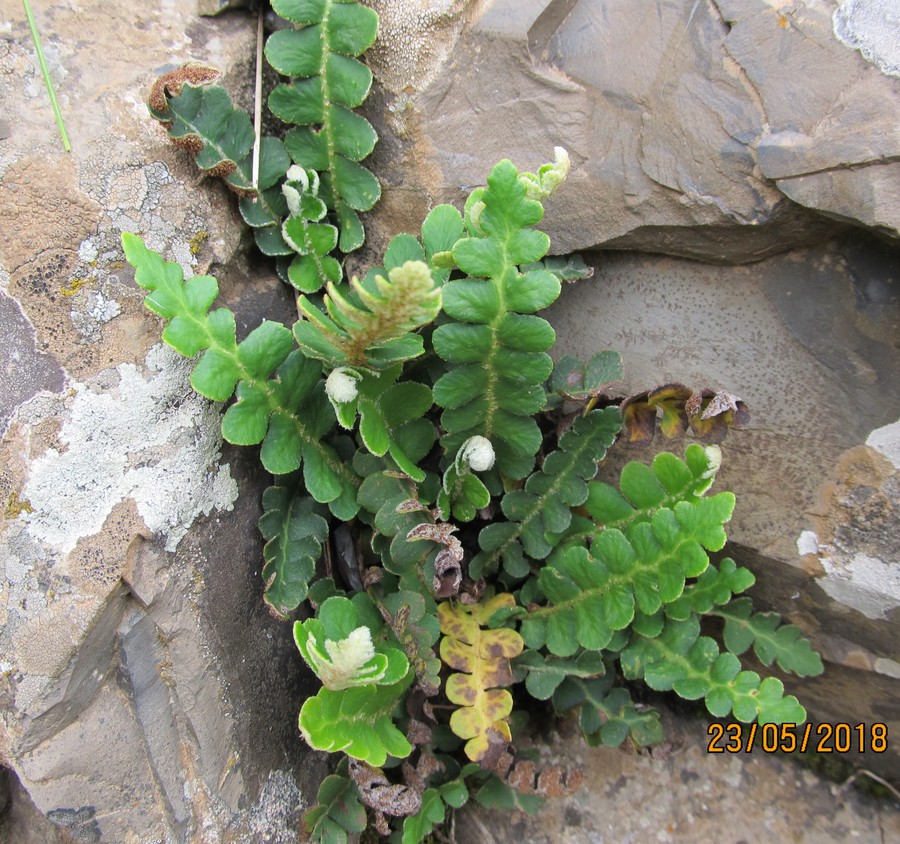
(873, 28)
(273, 817)
(46, 641)
(888, 667)
(97, 310)
(857, 542)
(151, 438)
(886, 441)
(415, 39)
(88, 250)
(807, 543)
(863, 583)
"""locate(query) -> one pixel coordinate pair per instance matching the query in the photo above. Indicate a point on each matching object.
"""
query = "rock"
(808, 340)
(817, 95)
(22, 823)
(680, 793)
(146, 694)
(696, 130)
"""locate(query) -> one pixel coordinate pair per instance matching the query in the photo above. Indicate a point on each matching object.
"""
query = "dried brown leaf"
(448, 572)
(417, 777)
(471, 591)
(709, 414)
(418, 733)
(410, 505)
(372, 575)
(377, 792)
(496, 757)
(722, 402)
(381, 824)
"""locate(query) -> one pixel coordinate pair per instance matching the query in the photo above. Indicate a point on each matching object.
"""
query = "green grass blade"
(46, 74)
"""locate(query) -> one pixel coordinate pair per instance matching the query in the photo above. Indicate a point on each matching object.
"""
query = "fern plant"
(447, 472)
(325, 82)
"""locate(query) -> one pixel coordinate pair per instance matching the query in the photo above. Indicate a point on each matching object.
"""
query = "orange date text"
(787, 738)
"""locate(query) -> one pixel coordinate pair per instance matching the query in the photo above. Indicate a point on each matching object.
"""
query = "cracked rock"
(145, 693)
(833, 139)
(725, 131)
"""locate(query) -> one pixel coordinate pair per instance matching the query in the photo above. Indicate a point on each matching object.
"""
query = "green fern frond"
(390, 414)
(645, 489)
(592, 595)
(303, 231)
(772, 641)
(545, 503)
(327, 83)
(453, 794)
(682, 660)
(381, 495)
(495, 347)
(201, 118)
(338, 646)
(714, 588)
(280, 402)
(357, 720)
(606, 713)
(338, 810)
(294, 531)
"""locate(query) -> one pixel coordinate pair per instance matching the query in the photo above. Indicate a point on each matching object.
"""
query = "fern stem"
(45, 71)
(326, 107)
(490, 387)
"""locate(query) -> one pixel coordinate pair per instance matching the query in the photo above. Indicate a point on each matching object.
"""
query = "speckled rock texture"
(704, 130)
(681, 794)
(145, 694)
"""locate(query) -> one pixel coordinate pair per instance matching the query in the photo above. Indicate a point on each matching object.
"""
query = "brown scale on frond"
(190, 143)
(224, 169)
(173, 81)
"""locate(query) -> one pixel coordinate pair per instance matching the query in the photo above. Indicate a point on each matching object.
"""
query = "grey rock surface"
(681, 794)
(704, 130)
(145, 693)
(833, 140)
